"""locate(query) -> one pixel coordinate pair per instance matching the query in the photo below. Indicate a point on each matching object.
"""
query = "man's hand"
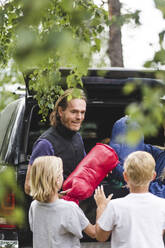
(100, 197)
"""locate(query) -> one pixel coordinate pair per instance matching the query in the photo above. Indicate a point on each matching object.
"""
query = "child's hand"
(109, 174)
(100, 197)
(62, 193)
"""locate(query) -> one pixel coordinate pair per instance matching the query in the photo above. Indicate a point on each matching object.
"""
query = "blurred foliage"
(150, 112)
(8, 185)
(6, 97)
(159, 57)
(160, 4)
(40, 37)
(43, 36)
(126, 18)
(11, 80)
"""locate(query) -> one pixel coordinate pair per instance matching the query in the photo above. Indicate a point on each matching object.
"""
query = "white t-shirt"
(136, 221)
(56, 225)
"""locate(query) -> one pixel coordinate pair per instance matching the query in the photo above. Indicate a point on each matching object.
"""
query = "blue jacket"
(118, 143)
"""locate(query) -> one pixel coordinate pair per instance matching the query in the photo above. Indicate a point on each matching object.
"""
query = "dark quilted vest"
(67, 145)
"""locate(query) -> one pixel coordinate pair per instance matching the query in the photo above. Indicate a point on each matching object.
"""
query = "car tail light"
(6, 208)
(9, 203)
(7, 226)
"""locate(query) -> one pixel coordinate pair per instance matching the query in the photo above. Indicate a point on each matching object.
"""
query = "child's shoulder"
(68, 207)
(68, 204)
(59, 204)
(33, 204)
(158, 199)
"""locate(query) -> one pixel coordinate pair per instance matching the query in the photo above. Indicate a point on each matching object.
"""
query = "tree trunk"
(115, 45)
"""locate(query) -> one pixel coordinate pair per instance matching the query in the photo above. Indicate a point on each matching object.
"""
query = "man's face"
(73, 115)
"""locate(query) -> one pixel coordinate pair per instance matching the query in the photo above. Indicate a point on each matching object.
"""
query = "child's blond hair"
(140, 168)
(44, 175)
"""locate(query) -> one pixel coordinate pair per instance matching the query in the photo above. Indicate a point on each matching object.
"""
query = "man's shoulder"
(78, 133)
(42, 144)
(79, 137)
(50, 130)
(42, 147)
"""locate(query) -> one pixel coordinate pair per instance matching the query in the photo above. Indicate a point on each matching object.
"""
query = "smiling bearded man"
(62, 139)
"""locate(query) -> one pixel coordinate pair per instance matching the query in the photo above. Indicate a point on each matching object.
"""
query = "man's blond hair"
(44, 175)
(140, 168)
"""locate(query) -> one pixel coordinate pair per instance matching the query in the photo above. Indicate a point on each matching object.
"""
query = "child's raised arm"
(101, 202)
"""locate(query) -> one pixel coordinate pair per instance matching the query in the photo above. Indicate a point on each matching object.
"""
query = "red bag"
(90, 172)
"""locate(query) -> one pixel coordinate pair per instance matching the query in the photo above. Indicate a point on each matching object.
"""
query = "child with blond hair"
(138, 219)
(53, 221)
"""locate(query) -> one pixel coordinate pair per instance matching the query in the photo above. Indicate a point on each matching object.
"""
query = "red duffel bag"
(90, 172)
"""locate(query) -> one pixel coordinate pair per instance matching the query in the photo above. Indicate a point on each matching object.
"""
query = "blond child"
(53, 221)
(138, 219)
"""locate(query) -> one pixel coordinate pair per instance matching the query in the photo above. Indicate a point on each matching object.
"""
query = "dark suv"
(21, 125)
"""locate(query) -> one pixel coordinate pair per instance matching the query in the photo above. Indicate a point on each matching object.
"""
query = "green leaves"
(48, 35)
(159, 56)
(12, 77)
(149, 113)
(160, 4)
(9, 188)
(9, 17)
(46, 85)
(152, 110)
